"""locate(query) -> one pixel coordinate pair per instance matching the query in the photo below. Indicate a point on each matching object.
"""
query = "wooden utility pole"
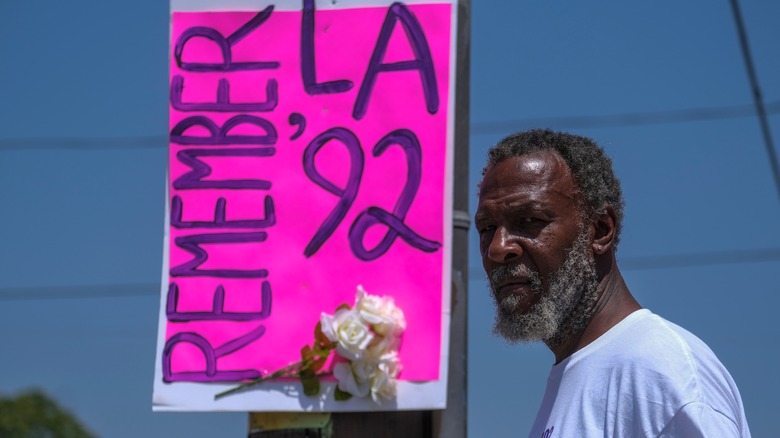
(447, 423)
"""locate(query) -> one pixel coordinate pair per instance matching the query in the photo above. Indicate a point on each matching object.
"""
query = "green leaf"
(311, 385)
(319, 363)
(340, 395)
(322, 352)
(320, 340)
(306, 353)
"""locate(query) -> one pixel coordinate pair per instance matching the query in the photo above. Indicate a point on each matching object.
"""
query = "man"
(549, 217)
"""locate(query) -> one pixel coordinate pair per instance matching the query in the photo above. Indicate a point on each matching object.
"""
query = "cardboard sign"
(309, 153)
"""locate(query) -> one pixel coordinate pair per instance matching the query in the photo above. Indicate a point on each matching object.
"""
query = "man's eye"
(486, 229)
(528, 220)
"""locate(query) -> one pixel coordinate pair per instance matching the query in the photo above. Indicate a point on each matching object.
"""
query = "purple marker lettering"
(346, 195)
(192, 244)
(210, 354)
(218, 310)
(220, 221)
(423, 62)
(308, 64)
(194, 178)
(395, 221)
(225, 46)
(219, 136)
(223, 98)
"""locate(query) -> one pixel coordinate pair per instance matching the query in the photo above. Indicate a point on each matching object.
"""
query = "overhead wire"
(687, 260)
(29, 293)
(477, 127)
(85, 143)
(623, 119)
(758, 100)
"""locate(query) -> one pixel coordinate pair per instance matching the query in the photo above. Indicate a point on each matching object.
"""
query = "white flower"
(380, 312)
(368, 336)
(364, 369)
(390, 363)
(382, 388)
(383, 382)
(349, 331)
(366, 339)
(381, 345)
(347, 382)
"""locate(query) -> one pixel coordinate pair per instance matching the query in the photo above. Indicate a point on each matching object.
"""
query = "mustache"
(503, 273)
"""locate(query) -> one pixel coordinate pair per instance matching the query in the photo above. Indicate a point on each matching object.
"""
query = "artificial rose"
(384, 379)
(364, 369)
(382, 388)
(349, 331)
(390, 363)
(347, 382)
(381, 313)
(398, 325)
(383, 382)
(382, 345)
(370, 307)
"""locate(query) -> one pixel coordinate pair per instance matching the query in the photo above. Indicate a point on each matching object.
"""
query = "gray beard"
(558, 314)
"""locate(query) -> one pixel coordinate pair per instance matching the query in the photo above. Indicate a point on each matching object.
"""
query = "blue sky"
(83, 92)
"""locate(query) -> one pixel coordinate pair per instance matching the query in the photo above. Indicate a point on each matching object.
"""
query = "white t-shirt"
(645, 377)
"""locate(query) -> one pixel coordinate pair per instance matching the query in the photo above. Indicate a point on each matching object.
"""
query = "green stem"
(288, 371)
(280, 373)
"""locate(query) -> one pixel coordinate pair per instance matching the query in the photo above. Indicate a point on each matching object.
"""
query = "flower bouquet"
(365, 337)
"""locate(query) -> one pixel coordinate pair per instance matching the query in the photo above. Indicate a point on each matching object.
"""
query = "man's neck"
(614, 303)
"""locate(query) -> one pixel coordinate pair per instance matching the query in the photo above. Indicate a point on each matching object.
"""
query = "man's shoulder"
(643, 338)
(654, 340)
(638, 377)
(661, 359)
(651, 344)
(657, 343)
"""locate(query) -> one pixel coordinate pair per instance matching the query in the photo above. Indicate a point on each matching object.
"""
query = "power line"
(690, 260)
(85, 143)
(700, 259)
(624, 119)
(30, 293)
(758, 100)
(486, 127)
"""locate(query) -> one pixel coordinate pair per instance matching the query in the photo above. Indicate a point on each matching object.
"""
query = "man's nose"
(504, 247)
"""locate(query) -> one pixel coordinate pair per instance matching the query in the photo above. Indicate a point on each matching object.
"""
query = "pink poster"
(307, 157)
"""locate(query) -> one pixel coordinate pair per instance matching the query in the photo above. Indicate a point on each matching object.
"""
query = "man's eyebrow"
(480, 215)
(527, 204)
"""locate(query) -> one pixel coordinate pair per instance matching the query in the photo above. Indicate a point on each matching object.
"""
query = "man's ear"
(604, 228)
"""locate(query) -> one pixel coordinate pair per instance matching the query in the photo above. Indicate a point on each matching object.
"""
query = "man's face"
(535, 248)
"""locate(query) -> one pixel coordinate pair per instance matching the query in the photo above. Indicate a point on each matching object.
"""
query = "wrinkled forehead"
(539, 170)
